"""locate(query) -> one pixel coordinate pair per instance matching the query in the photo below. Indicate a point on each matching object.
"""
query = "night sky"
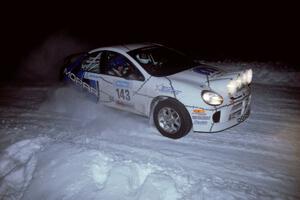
(245, 32)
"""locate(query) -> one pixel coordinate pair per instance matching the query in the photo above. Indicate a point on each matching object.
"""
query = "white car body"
(185, 86)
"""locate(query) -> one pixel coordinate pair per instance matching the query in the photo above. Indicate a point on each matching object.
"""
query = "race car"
(176, 93)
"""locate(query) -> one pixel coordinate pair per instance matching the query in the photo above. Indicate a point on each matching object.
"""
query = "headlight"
(244, 78)
(249, 74)
(212, 98)
(239, 82)
(232, 87)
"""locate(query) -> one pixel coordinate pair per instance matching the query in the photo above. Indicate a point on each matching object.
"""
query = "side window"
(116, 64)
(92, 62)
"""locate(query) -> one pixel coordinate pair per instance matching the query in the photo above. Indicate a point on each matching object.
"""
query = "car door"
(79, 70)
(120, 82)
(89, 72)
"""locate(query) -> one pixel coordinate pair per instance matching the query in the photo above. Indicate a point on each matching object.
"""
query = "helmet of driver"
(143, 58)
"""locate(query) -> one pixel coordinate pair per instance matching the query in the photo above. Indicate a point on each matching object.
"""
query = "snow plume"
(44, 63)
(94, 118)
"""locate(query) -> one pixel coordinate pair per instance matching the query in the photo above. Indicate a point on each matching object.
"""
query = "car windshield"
(161, 61)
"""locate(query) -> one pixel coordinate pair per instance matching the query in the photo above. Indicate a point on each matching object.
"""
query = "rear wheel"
(172, 119)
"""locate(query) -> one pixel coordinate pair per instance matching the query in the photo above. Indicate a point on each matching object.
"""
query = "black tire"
(185, 119)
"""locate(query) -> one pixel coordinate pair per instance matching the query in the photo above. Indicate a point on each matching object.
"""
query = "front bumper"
(221, 118)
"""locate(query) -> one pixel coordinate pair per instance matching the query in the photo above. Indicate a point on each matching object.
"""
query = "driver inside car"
(121, 68)
(117, 66)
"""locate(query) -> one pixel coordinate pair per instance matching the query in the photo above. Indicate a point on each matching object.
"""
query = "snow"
(89, 174)
(17, 164)
(58, 144)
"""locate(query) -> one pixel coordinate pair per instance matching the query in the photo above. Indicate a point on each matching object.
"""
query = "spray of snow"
(94, 118)
(43, 64)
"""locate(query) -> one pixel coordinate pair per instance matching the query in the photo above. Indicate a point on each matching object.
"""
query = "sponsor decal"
(197, 122)
(123, 84)
(200, 117)
(166, 89)
(92, 76)
(205, 70)
(79, 82)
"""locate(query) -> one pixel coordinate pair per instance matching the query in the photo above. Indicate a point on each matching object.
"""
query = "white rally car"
(176, 93)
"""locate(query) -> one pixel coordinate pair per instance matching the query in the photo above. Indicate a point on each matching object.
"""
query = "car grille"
(238, 109)
(237, 106)
(235, 114)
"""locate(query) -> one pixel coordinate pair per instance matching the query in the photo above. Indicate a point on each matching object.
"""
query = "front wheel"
(172, 119)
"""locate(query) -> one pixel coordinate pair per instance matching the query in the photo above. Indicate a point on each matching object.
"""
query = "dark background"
(238, 32)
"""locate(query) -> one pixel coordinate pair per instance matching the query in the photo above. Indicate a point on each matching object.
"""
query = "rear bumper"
(224, 117)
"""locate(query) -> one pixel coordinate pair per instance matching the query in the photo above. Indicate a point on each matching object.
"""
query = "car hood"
(199, 74)
(205, 76)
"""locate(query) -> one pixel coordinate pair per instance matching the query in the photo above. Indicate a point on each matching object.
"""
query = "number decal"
(123, 94)
(127, 95)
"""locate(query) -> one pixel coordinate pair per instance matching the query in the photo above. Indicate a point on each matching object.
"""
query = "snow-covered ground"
(57, 144)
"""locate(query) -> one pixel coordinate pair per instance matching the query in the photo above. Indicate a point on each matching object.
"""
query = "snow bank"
(265, 73)
(76, 173)
(17, 164)
(132, 180)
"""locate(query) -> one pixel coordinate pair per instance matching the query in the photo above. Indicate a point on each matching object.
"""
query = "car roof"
(126, 47)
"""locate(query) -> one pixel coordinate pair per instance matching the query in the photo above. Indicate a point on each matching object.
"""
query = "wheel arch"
(156, 100)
